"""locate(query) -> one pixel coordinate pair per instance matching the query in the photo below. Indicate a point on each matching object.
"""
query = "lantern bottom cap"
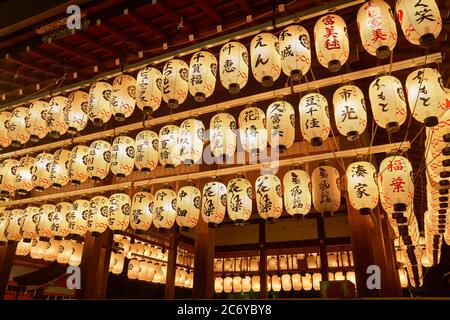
(95, 233)
(4, 193)
(200, 97)
(119, 117)
(446, 137)
(392, 127)
(72, 130)
(334, 65)
(383, 52)
(12, 242)
(162, 230)
(148, 110)
(446, 151)
(267, 81)
(446, 162)
(444, 174)
(282, 148)
(16, 144)
(352, 135)
(296, 75)
(173, 103)
(76, 182)
(239, 222)
(427, 39)
(365, 211)
(271, 220)
(44, 239)
(212, 225)
(34, 138)
(56, 185)
(185, 229)
(234, 88)
(316, 141)
(139, 231)
(97, 122)
(120, 175)
(38, 189)
(58, 238)
(188, 162)
(22, 192)
(145, 170)
(399, 206)
(443, 205)
(54, 134)
(169, 166)
(431, 121)
(26, 240)
(443, 192)
(95, 178)
(444, 183)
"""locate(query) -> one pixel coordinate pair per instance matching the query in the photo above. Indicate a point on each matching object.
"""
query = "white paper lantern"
(202, 75)
(388, 102)
(326, 193)
(78, 164)
(349, 111)
(59, 173)
(24, 181)
(362, 187)
(314, 118)
(141, 211)
(296, 282)
(8, 171)
(377, 28)
(169, 147)
(65, 252)
(118, 263)
(143, 270)
(77, 253)
(276, 283)
(165, 208)
(256, 284)
(41, 171)
(36, 121)
(55, 117)
(307, 283)
(4, 216)
(214, 203)
(99, 160)
(79, 218)
(426, 96)
(149, 89)
(59, 221)
(5, 141)
(122, 156)
(38, 249)
(281, 125)
(23, 248)
(119, 211)
(265, 58)
(17, 128)
(233, 70)
(252, 130)
(222, 135)
(295, 51)
(331, 42)
(50, 249)
(395, 182)
(46, 212)
(237, 284)
(297, 192)
(239, 200)
(316, 278)
(269, 199)
(188, 207)
(30, 223)
(218, 285)
(123, 97)
(147, 151)
(420, 21)
(98, 215)
(13, 225)
(191, 141)
(99, 110)
(175, 82)
(227, 284)
(75, 112)
(286, 283)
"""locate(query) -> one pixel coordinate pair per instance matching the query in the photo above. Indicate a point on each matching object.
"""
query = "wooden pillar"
(95, 266)
(263, 261)
(204, 261)
(169, 291)
(322, 247)
(7, 252)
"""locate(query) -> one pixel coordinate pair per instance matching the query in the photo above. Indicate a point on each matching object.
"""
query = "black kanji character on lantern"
(349, 113)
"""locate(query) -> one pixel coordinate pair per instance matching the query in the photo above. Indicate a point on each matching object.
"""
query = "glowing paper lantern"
(8, 170)
(141, 211)
(5, 141)
(17, 127)
(331, 42)
(227, 284)
(377, 28)
(276, 283)
(222, 135)
(65, 251)
(252, 130)
(281, 125)
(30, 223)
(77, 252)
(269, 199)
(349, 111)
(316, 278)
(38, 249)
(326, 193)
(202, 75)
(169, 147)
(46, 212)
(99, 160)
(395, 182)
(41, 171)
(188, 207)
(426, 95)
(4, 215)
(339, 276)
(362, 187)
(79, 218)
(297, 192)
(388, 103)
(13, 227)
(24, 181)
(99, 103)
(307, 283)
(78, 164)
(286, 283)
(165, 208)
(403, 277)
(314, 119)
(143, 270)
(256, 284)
(55, 117)
(237, 284)
(36, 121)
(147, 151)
(420, 21)
(60, 224)
(75, 112)
(233, 70)
(122, 156)
(265, 58)
(51, 249)
(59, 173)
(119, 211)
(149, 89)
(218, 285)
(295, 51)
(23, 248)
(239, 200)
(191, 141)
(98, 215)
(214, 203)
(175, 82)
(296, 282)
(123, 97)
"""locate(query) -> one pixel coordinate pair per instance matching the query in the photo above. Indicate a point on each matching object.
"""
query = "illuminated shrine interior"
(224, 149)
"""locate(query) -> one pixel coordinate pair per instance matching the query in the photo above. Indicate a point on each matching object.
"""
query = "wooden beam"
(147, 25)
(322, 247)
(75, 52)
(204, 261)
(209, 10)
(95, 42)
(157, 4)
(19, 74)
(169, 290)
(263, 261)
(7, 252)
(245, 6)
(29, 65)
(119, 33)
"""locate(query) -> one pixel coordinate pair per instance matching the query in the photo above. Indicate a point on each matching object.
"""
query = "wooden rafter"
(76, 52)
(119, 33)
(172, 15)
(245, 6)
(95, 42)
(32, 66)
(19, 74)
(208, 9)
(147, 25)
